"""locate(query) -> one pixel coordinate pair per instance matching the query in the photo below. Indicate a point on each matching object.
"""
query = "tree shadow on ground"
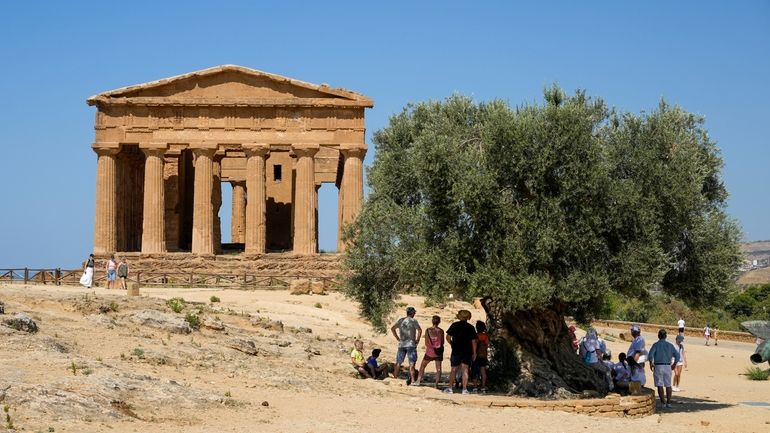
(691, 404)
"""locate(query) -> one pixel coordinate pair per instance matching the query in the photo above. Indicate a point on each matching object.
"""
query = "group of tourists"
(666, 362)
(468, 359)
(113, 270)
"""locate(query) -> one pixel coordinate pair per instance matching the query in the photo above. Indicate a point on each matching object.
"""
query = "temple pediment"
(231, 85)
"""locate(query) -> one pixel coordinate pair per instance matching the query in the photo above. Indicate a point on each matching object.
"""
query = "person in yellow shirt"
(357, 359)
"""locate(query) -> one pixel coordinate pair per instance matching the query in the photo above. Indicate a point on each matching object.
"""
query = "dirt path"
(196, 382)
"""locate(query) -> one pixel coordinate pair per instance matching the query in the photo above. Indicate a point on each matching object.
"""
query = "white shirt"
(681, 323)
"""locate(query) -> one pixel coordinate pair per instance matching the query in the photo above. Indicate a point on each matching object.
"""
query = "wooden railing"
(71, 277)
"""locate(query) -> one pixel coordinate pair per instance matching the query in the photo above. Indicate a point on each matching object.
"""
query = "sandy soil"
(87, 372)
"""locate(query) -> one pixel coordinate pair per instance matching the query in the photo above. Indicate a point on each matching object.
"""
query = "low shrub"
(176, 304)
(756, 373)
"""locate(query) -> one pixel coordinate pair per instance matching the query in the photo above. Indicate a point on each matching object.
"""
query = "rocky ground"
(271, 361)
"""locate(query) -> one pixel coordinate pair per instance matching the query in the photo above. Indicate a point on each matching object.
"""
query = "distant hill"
(757, 250)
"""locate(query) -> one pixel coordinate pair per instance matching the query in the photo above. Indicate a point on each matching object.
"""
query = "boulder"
(317, 288)
(246, 346)
(165, 321)
(21, 322)
(300, 287)
(212, 323)
(132, 288)
(266, 323)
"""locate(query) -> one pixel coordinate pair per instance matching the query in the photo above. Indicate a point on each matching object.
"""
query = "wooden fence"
(246, 281)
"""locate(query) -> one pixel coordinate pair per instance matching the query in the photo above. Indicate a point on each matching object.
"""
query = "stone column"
(203, 211)
(105, 233)
(305, 199)
(351, 194)
(256, 197)
(216, 202)
(238, 223)
(153, 221)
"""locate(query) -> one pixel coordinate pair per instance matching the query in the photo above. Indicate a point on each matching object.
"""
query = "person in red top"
(434, 350)
(479, 368)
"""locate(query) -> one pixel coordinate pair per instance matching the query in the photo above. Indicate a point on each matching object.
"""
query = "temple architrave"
(166, 147)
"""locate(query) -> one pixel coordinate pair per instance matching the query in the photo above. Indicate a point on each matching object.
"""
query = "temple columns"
(216, 202)
(153, 222)
(256, 198)
(351, 194)
(305, 199)
(238, 223)
(203, 210)
(105, 233)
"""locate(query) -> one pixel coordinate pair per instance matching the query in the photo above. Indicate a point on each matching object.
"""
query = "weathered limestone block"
(213, 324)
(21, 322)
(300, 287)
(133, 288)
(317, 287)
(160, 320)
(246, 346)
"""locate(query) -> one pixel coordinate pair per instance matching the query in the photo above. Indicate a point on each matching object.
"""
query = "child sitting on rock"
(377, 371)
(357, 359)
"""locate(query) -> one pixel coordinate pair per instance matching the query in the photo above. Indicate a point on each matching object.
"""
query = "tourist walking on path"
(707, 333)
(638, 345)
(715, 334)
(409, 333)
(680, 325)
(434, 350)
(88, 272)
(111, 269)
(661, 355)
(479, 369)
(123, 273)
(462, 337)
(682, 362)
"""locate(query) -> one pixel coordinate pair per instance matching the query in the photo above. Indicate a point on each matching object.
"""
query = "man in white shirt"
(680, 324)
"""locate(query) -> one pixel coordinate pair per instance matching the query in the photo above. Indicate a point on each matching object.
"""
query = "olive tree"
(542, 211)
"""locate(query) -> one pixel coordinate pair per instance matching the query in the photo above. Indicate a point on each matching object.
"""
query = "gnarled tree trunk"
(541, 342)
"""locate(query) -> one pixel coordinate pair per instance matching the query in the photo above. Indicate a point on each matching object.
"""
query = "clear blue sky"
(712, 58)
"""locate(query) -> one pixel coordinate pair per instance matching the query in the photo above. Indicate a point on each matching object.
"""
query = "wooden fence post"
(26, 275)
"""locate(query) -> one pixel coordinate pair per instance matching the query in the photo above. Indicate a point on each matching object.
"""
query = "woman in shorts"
(434, 350)
(111, 272)
(679, 365)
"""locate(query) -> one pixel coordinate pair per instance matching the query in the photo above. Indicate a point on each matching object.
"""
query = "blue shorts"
(111, 275)
(404, 352)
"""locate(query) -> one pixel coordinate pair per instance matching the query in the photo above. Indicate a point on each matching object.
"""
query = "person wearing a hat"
(409, 333)
(462, 337)
(661, 355)
(637, 345)
(682, 362)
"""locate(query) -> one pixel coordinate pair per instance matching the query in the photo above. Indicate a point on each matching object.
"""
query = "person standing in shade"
(123, 273)
(638, 345)
(88, 272)
(462, 337)
(434, 350)
(409, 333)
(680, 325)
(661, 355)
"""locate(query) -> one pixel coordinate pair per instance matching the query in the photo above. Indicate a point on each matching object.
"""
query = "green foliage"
(74, 368)
(138, 352)
(176, 304)
(193, 319)
(214, 299)
(318, 305)
(565, 202)
(756, 373)
(751, 304)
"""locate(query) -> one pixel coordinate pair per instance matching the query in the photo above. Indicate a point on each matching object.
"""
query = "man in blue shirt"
(663, 357)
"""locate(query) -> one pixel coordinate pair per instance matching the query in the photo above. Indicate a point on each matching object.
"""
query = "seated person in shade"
(357, 359)
(621, 374)
(375, 369)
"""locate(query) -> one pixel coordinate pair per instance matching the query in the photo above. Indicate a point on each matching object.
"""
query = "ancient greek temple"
(165, 148)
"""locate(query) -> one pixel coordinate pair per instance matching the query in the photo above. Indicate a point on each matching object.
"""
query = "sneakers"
(483, 391)
(668, 405)
(675, 389)
(416, 383)
(448, 390)
(465, 392)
